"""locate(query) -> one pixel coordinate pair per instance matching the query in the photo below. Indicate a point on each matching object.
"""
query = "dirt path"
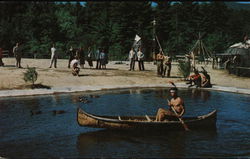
(116, 74)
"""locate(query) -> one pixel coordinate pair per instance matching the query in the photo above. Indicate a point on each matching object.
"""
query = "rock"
(58, 112)
(94, 96)
(33, 112)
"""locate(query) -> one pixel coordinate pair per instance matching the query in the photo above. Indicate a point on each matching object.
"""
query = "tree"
(30, 75)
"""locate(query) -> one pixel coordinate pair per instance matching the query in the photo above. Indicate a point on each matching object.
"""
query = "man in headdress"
(178, 105)
(195, 78)
(205, 79)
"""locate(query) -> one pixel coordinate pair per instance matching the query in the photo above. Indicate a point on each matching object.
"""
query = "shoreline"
(74, 89)
(116, 76)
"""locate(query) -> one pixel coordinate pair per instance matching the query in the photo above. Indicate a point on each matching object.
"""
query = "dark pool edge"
(59, 90)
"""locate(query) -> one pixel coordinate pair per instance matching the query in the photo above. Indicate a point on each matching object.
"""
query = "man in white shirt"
(140, 57)
(53, 56)
(132, 59)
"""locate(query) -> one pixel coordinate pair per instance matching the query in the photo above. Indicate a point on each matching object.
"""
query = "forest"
(112, 25)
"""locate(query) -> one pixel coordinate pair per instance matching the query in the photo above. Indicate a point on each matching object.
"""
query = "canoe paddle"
(182, 122)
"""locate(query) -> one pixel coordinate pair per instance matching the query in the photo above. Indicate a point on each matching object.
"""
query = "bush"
(30, 75)
(184, 68)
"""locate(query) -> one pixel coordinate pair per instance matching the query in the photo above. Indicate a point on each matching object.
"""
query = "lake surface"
(49, 135)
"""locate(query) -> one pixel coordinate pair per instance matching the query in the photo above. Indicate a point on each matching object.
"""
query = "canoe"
(207, 121)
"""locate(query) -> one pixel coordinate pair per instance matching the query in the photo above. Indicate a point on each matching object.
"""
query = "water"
(49, 135)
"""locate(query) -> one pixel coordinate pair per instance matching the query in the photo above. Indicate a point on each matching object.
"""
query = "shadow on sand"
(83, 75)
(172, 77)
(9, 66)
(39, 85)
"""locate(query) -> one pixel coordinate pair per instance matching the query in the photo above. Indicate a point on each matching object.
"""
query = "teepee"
(199, 50)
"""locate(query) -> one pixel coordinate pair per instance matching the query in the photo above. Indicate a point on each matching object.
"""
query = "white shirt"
(102, 55)
(53, 50)
(140, 55)
(131, 54)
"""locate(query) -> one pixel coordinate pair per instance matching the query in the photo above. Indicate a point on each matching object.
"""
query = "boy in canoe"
(176, 102)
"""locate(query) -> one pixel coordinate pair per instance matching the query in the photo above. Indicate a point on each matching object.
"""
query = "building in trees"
(236, 59)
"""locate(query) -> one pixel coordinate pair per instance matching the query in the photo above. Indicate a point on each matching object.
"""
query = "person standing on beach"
(1, 56)
(159, 61)
(90, 57)
(53, 56)
(82, 57)
(132, 59)
(167, 66)
(71, 55)
(98, 61)
(140, 57)
(103, 59)
(18, 55)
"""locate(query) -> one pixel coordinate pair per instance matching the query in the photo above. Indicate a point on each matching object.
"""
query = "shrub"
(184, 68)
(30, 75)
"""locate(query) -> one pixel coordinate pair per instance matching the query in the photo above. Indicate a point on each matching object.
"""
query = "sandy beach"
(115, 74)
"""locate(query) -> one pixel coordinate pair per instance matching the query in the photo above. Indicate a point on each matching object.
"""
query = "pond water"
(49, 135)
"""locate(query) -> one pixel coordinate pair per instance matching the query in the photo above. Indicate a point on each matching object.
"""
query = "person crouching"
(75, 69)
(195, 78)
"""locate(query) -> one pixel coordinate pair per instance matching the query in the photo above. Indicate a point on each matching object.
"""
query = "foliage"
(184, 68)
(30, 75)
(113, 25)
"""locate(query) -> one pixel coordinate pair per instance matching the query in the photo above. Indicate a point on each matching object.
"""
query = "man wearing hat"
(176, 102)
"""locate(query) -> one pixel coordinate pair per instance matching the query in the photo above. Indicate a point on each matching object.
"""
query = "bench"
(6, 53)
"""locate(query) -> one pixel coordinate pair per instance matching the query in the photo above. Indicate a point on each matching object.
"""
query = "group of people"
(74, 54)
(78, 58)
(200, 80)
(136, 56)
(163, 64)
(101, 59)
(176, 104)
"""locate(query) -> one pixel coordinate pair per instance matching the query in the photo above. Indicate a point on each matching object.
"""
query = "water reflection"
(169, 144)
(201, 94)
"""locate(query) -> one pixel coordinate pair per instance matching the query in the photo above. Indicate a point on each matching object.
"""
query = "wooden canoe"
(207, 121)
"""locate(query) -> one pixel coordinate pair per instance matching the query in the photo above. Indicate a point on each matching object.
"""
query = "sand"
(115, 74)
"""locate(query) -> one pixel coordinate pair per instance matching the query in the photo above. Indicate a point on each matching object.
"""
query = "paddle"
(182, 122)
